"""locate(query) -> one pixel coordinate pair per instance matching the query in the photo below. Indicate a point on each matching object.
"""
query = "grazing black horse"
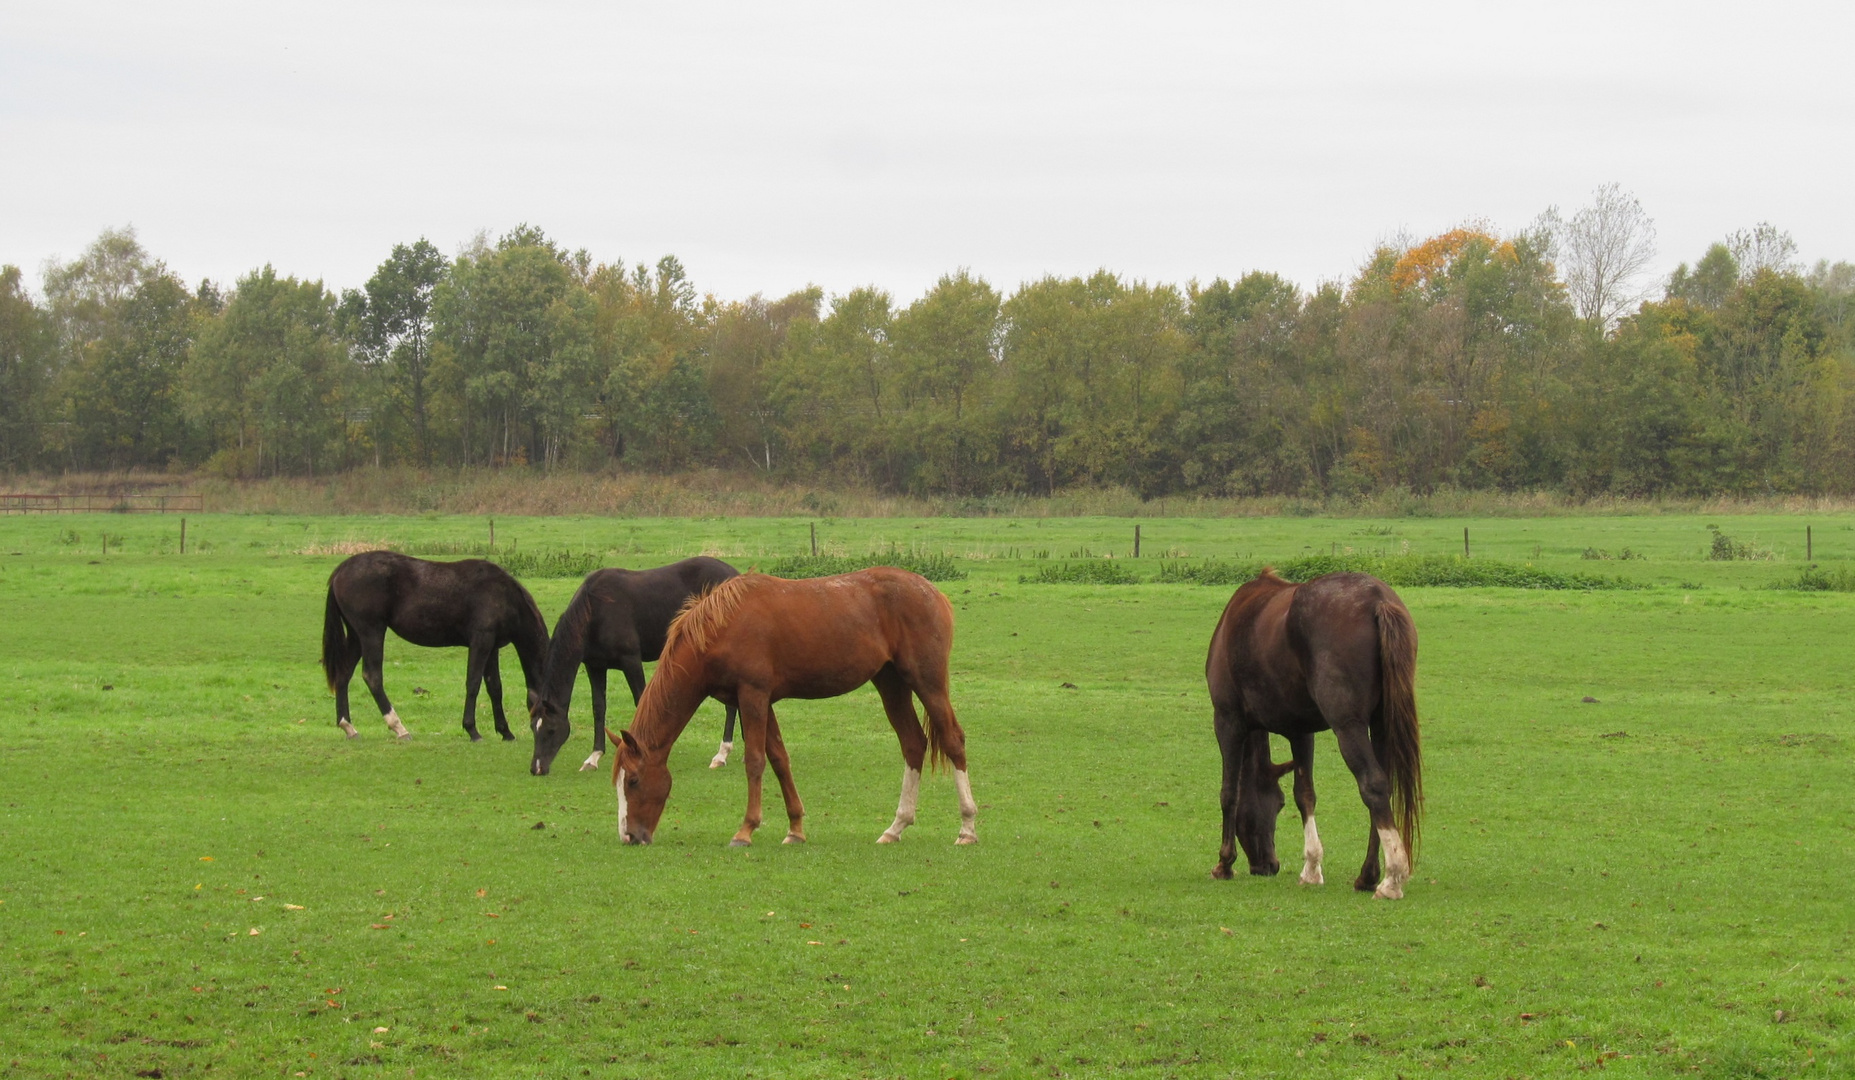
(472, 603)
(1338, 652)
(618, 619)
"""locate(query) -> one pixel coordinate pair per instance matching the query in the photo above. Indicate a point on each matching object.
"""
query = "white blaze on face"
(1397, 866)
(618, 785)
(1311, 853)
(538, 721)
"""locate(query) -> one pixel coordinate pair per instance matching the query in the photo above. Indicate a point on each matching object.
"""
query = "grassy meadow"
(199, 876)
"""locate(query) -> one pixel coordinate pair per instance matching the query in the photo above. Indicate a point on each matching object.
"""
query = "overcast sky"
(774, 145)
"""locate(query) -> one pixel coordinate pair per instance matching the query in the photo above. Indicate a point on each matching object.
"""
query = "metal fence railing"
(18, 503)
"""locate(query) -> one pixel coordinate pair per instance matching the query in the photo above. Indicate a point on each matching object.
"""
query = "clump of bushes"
(1621, 556)
(1815, 579)
(1726, 549)
(1399, 571)
(935, 567)
(1085, 572)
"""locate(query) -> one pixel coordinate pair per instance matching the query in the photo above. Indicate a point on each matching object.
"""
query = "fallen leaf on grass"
(814, 943)
(498, 988)
(255, 899)
(206, 858)
(381, 1030)
(253, 932)
(293, 907)
(483, 892)
(491, 915)
(378, 926)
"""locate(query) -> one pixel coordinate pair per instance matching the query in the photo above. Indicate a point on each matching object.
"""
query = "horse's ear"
(630, 743)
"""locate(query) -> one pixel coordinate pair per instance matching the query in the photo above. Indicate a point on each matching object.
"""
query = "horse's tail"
(334, 638)
(1397, 653)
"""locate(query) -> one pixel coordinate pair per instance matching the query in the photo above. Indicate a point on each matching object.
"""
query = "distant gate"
(102, 504)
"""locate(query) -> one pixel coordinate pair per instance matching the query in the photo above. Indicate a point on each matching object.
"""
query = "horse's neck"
(562, 665)
(531, 648)
(675, 693)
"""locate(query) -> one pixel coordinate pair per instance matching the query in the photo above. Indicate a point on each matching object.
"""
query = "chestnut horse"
(617, 619)
(1338, 652)
(471, 602)
(754, 640)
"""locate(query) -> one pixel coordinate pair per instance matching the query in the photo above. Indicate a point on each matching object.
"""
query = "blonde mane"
(706, 613)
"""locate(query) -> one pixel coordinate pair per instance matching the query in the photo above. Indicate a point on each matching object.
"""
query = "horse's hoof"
(738, 842)
(967, 838)
(474, 737)
(507, 736)
(1389, 891)
(888, 838)
(592, 762)
(405, 736)
(1313, 876)
(1220, 872)
(793, 838)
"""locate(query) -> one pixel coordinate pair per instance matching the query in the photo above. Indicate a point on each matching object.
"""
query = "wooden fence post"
(1465, 541)
(1136, 541)
(183, 536)
(492, 532)
(814, 539)
(1809, 545)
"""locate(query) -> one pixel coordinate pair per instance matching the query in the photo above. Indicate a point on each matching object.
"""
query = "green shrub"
(1086, 572)
(1815, 579)
(1398, 571)
(1725, 548)
(934, 567)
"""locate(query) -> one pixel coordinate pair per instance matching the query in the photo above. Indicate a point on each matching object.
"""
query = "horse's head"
(642, 786)
(1258, 805)
(549, 721)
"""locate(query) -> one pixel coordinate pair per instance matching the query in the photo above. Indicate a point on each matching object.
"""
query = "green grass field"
(199, 876)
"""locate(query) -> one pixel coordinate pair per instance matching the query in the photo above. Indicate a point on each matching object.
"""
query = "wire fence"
(20, 503)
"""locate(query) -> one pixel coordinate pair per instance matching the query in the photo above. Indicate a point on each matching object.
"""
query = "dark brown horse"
(756, 640)
(1339, 652)
(617, 619)
(472, 603)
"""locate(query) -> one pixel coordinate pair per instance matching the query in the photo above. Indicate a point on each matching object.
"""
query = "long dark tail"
(334, 638)
(1397, 654)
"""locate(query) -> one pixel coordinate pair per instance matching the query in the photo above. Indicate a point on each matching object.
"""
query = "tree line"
(1470, 359)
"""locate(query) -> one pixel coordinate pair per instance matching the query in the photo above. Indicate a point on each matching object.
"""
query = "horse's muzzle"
(538, 767)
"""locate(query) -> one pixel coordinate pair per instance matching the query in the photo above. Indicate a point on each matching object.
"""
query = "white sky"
(773, 145)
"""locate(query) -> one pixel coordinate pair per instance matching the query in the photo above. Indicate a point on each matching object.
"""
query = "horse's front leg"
(754, 711)
(492, 681)
(782, 769)
(1229, 747)
(482, 646)
(373, 671)
(1311, 852)
(595, 680)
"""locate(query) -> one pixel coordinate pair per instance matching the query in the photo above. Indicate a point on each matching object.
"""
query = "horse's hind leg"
(492, 681)
(1375, 792)
(952, 740)
(782, 769)
(344, 674)
(1303, 748)
(900, 707)
(373, 672)
(1230, 747)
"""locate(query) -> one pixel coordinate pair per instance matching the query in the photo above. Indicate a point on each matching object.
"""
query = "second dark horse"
(1339, 652)
(472, 603)
(618, 619)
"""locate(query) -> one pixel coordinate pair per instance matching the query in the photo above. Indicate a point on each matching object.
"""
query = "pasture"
(199, 875)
